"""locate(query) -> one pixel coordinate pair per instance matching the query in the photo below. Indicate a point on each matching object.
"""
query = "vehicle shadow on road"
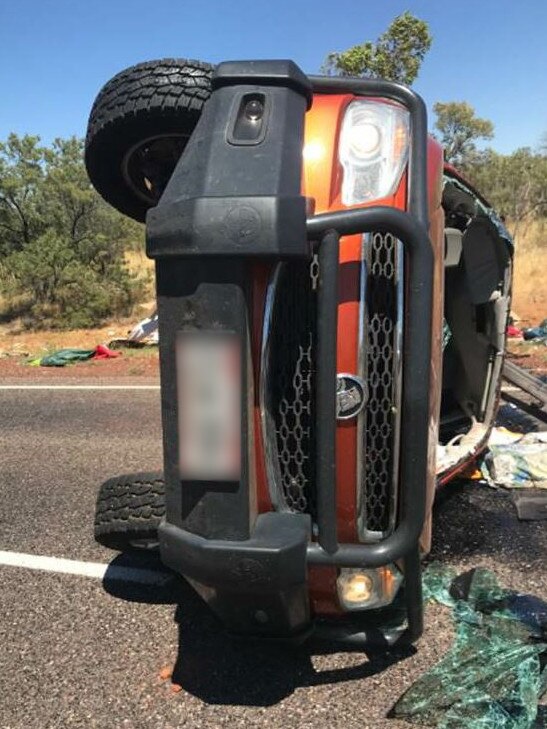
(221, 669)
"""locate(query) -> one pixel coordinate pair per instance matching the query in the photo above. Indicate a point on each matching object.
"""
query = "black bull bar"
(252, 569)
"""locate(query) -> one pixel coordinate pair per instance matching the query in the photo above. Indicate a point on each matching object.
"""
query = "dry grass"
(529, 282)
(15, 342)
(137, 262)
(139, 265)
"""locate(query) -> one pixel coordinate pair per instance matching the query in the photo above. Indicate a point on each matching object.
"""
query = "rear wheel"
(138, 127)
(129, 511)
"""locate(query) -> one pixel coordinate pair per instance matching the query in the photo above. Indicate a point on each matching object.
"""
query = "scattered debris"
(519, 462)
(104, 352)
(69, 356)
(514, 332)
(531, 504)
(143, 334)
(533, 386)
(536, 333)
(503, 436)
(515, 460)
(525, 380)
(496, 671)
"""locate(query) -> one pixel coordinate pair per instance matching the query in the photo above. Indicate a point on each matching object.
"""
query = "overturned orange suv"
(332, 303)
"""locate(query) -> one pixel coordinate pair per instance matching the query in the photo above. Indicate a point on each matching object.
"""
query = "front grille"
(381, 332)
(288, 387)
(291, 384)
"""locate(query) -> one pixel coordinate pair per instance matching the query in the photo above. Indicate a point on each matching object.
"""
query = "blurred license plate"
(209, 405)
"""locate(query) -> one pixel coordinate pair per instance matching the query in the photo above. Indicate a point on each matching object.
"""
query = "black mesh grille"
(292, 383)
(379, 415)
(291, 375)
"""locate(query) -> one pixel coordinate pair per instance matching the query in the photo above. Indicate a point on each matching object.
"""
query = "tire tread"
(129, 507)
(151, 98)
(184, 80)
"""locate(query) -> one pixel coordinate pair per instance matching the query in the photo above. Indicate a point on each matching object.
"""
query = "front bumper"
(259, 585)
(252, 569)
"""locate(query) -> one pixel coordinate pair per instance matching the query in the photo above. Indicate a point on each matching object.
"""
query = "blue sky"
(56, 54)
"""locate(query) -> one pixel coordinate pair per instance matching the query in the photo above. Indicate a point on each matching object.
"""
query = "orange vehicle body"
(321, 183)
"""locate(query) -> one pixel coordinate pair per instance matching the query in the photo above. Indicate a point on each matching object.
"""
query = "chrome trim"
(398, 376)
(271, 455)
(364, 534)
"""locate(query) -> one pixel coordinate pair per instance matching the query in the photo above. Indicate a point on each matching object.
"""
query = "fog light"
(360, 589)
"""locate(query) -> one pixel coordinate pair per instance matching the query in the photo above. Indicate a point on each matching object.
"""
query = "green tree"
(459, 131)
(515, 184)
(39, 267)
(396, 55)
(61, 246)
(21, 178)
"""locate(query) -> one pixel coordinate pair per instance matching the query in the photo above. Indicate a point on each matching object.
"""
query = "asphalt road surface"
(86, 649)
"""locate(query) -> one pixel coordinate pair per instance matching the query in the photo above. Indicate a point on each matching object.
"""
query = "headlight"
(373, 150)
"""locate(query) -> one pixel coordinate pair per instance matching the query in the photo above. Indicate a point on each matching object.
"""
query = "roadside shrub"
(62, 248)
(68, 286)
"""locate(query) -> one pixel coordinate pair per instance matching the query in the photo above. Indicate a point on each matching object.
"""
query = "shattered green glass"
(496, 671)
(447, 334)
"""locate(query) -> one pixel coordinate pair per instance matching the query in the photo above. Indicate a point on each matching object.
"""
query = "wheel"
(139, 125)
(129, 511)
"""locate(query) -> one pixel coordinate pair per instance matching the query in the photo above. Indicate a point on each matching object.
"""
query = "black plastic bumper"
(265, 575)
(257, 585)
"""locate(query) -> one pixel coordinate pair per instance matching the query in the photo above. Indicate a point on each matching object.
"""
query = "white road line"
(84, 569)
(79, 387)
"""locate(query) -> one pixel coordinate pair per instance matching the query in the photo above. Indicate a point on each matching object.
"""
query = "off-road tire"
(154, 99)
(129, 511)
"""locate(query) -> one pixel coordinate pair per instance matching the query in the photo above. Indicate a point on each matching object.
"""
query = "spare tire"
(129, 511)
(139, 125)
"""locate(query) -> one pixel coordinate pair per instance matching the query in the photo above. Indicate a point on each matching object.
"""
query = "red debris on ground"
(514, 332)
(103, 352)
